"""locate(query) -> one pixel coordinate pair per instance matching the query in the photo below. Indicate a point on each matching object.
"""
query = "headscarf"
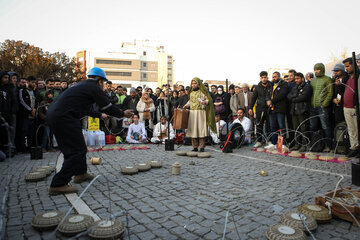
(210, 112)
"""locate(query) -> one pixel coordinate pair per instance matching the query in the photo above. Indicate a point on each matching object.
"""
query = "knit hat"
(339, 67)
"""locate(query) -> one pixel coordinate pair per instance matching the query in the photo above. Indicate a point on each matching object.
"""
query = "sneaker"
(326, 150)
(257, 144)
(62, 190)
(353, 153)
(270, 146)
(83, 178)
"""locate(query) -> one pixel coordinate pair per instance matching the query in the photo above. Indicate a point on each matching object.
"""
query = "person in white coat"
(136, 132)
(219, 124)
(245, 123)
(145, 108)
(161, 131)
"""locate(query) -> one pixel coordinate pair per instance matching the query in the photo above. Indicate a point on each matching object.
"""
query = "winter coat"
(299, 98)
(278, 97)
(322, 88)
(260, 95)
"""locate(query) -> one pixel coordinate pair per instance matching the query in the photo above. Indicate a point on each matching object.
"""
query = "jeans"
(277, 122)
(27, 132)
(323, 118)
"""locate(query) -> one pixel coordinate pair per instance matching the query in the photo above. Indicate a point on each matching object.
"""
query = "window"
(121, 62)
(144, 75)
(124, 74)
(144, 64)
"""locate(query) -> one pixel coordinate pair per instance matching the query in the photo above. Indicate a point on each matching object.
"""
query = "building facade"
(138, 63)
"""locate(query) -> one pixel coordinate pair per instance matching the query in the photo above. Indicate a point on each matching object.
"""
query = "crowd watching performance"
(298, 107)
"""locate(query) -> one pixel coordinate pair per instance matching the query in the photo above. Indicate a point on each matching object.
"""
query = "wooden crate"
(337, 210)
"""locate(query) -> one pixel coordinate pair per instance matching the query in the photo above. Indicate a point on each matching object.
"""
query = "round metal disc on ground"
(326, 157)
(143, 167)
(155, 164)
(293, 219)
(51, 168)
(129, 170)
(319, 213)
(342, 159)
(126, 147)
(44, 169)
(284, 232)
(35, 176)
(191, 154)
(295, 154)
(310, 155)
(106, 229)
(141, 146)
(181, 153)
(203, 154)
(75, 224)
(47, 220)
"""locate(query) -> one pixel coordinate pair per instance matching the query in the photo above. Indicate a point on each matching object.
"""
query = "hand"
(335, 100)
(337, 82)
(254, 115)
(140, 137)
(146, 110)
(132, 137)
(268, 102)
(33, 112)
(128, 113)
(250, 111)
(105, 116)
(203, 103)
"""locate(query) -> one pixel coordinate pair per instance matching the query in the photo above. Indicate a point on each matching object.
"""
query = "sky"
(210, 39)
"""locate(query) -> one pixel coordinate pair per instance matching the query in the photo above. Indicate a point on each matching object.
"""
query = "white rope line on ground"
(285, 164)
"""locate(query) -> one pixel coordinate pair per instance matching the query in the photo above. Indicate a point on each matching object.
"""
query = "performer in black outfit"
(64, 117)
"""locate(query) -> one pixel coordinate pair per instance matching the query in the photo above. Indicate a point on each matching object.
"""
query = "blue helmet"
(97, 72)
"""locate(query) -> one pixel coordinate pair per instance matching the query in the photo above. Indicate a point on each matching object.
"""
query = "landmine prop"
(181, 153)
(35, 176)
(176, 168)
(47, 221)
(310, 155)
(260, 150)
(143, 167)
(95, 161)
(293, 219)
(191, 154)
(75, 224)
(284, 232)
(44, 170)
(346, 198)
(342, 159)
(273, 151)
(155, 164)
(129, 170)
(323, 157)
(263, 173)
(319, 213)
(204, 155)
(295, 154)
(284, 149)
(106, 229)
(49, 168)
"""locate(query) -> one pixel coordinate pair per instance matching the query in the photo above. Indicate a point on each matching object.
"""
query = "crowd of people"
(295, 107)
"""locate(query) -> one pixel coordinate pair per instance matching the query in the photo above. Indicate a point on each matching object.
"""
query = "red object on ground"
(110, 139)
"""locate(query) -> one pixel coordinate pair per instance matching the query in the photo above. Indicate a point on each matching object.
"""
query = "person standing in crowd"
(136, 132)
(42, 111)
(152, 96)
(187, 90)
(40, 85)
(145, 108)
(162, 107)
(309, 77)
(245, 98)
(64, 85)
(183, 98)
(290, 128)
(120, 96)
(340, 78)
(201, 114)
(7, 110)
(219, 103)
(15, 108)
(235, 100)
(27, 114)
(278, 108)
(49, 86)
(300, 100)
(174, 102)
(139, 90)
(320, 104)
(64, 117)
(350, 104)
(113, 100)
(161, 131)
(213, 91)
(131, 101)
(245, 123)
(262, 92)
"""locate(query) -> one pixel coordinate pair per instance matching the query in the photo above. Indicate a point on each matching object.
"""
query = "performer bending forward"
(201, 114)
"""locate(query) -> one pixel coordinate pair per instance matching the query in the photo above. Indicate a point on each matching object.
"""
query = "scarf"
(210, 112)
(146, 115)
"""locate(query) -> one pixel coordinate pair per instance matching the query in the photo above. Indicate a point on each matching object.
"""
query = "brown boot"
(62, 190)
(83, 178)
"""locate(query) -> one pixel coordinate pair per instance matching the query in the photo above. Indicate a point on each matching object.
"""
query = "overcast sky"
(211, 39)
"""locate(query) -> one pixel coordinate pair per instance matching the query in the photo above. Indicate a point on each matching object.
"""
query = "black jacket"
(278, 97)
(111, 96)
(182, 101)
(300, 99)
(261, 94)
(25, 103)
(128, 104)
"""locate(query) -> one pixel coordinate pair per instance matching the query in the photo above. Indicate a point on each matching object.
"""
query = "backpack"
(219, 108)
(317, 145)
(342, 139)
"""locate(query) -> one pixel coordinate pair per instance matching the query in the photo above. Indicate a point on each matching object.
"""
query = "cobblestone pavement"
(192, 205)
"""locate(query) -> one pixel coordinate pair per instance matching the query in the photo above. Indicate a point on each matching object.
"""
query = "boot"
(195, 150)
(202, 150)
(62, 190)
(353, 153)
(83, 178)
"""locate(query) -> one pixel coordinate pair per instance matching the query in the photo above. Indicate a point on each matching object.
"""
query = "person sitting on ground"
(136, 132)
(245, 123)
(161, 131)
(219, 124)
